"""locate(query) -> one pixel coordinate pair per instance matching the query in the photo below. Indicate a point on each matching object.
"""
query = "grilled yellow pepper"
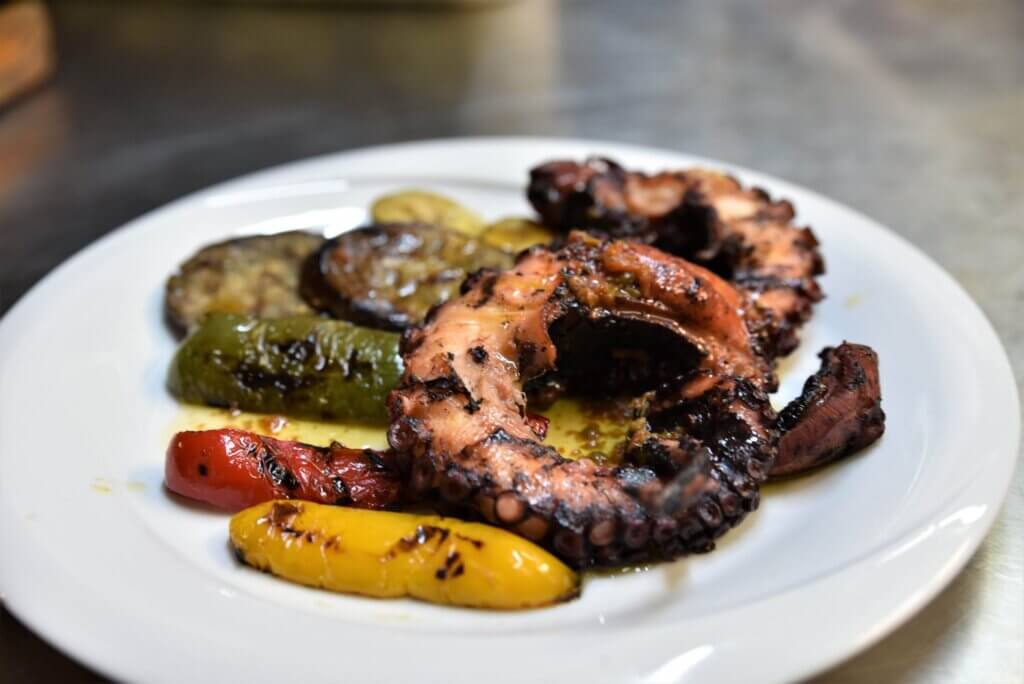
(420, 206)
(375, 553)
(516, 234)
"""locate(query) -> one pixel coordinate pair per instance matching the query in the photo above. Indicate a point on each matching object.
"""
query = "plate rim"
(938, 579)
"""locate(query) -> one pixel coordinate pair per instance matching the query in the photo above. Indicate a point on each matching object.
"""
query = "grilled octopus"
(639, 322)
(749, 239)
(838, 413)
(704, 216)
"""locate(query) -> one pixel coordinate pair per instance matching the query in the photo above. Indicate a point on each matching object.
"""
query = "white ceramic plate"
(100, 561)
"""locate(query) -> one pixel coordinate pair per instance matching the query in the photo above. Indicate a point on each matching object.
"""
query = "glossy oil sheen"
(577, 429)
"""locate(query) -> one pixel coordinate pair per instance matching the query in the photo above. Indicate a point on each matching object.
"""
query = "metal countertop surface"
(911, 111)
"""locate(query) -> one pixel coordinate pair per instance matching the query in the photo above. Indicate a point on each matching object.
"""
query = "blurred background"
(911, 111)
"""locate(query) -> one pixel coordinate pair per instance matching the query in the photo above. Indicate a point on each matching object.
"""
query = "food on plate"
(420, 206)
(388, 276)
(387, 555)
(513, 235)
(838, 413)
(256, 275)
(619, 317)
(666, 298)
(299, 366)
(233, 469)
(704, 216)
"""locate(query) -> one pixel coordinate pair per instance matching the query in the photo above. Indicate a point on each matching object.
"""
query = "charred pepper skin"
(234, 469)
(303, 367)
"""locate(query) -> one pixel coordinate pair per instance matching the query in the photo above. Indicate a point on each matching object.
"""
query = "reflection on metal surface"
(404, 58)
(33, 136)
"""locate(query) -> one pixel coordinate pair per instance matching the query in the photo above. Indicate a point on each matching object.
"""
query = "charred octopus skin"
(704, 216)
(704, 438)
(838, 413)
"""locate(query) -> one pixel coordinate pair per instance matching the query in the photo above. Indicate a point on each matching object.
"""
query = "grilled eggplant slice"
(389, 276)
(255, 276)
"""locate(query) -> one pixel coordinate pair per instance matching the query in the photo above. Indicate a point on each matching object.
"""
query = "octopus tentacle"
(704, 437)
(838, 413)
(702, 215)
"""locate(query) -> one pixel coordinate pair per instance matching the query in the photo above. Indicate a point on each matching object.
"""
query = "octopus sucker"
(707, 217)
(677, 336)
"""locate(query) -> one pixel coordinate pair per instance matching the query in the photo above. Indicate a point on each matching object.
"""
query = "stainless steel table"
(911, 111)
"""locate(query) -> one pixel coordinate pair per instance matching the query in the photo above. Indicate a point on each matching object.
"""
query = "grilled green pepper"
(302, 366)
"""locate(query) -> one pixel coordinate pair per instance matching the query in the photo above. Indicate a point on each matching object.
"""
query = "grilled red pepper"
(235, 469)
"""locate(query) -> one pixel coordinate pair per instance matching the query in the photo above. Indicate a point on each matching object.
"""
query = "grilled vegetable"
(233, 469)
(513, 235)
(257, 275)
(419, 206)
(389, 276)
(441, 560)
(305, 367)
